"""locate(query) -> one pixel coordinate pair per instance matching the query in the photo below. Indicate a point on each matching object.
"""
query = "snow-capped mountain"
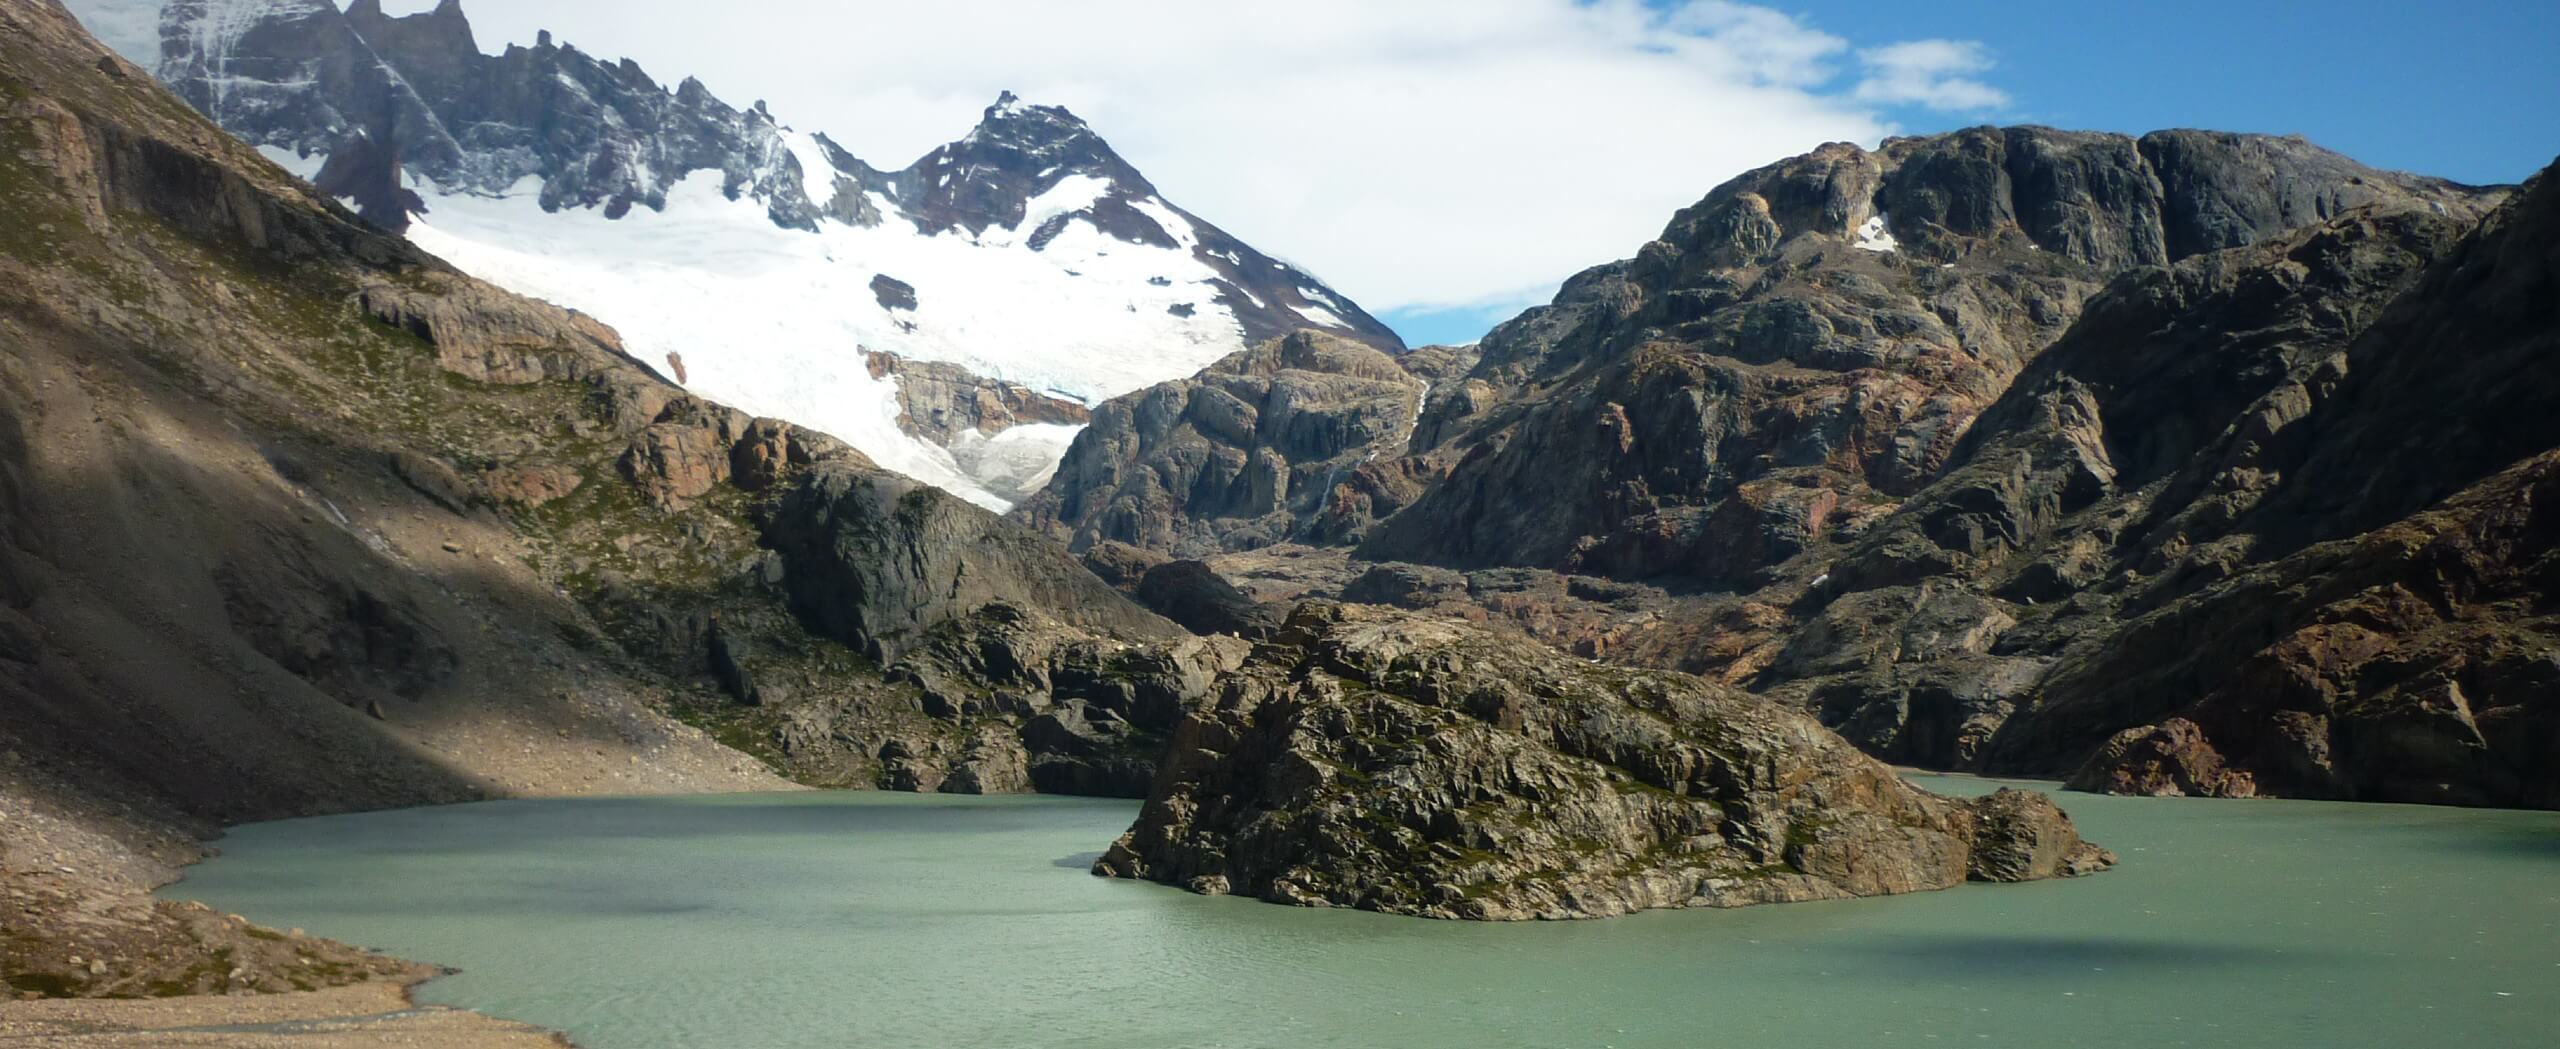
(755, 263)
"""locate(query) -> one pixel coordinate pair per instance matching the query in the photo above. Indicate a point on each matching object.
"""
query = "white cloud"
(1413, 153)
(1937, 74)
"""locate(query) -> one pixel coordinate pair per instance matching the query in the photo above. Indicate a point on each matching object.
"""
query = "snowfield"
(773, 321)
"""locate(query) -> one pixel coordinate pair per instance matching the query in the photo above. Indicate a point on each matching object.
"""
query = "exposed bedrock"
(1393, 762)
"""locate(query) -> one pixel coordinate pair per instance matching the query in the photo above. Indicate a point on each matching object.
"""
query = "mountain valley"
(388, 423)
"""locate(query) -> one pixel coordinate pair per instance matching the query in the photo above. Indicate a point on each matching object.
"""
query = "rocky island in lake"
(1395, 762)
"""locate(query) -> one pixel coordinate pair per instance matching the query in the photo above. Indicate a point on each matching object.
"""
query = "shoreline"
(355, 1016)
(377, 1011)
(93, 899)
(348, 1016)
(370, 1014)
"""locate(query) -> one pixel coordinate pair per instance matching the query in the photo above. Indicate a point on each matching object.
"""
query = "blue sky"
(2466, 89)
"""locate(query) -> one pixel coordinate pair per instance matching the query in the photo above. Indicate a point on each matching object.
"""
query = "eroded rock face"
(1817, 337)
(2204, 514)
(1398, 763)
(1246, 453)
(2419, 662)
(939, 401)
(487, 335)
(875, 560)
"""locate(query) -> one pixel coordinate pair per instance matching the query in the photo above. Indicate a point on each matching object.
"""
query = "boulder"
(432, 477)
(2167, 760)
(2021, 835)
(994, 763)
(531, 486)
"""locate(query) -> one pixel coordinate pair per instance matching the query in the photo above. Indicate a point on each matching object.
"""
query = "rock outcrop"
(486, 335)
(875, 560)
(964, 414)
(939, 401)
(1815, 339)
(2118, 464)
(1253, 450)
(1417, 766)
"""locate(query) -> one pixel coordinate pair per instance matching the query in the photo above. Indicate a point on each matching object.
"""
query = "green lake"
(855, 920)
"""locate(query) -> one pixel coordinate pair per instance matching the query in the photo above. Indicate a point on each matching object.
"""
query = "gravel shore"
(364, 1016)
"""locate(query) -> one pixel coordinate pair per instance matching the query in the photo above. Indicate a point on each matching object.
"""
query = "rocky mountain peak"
(1017, 153)
(447, 14)
(1033, 255)
(1799, 353)
(1013, 123)
(2106, 201)
(1833, 321)
(413, 97)
(445, 23)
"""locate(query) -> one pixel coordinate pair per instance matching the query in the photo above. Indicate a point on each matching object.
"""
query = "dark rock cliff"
(1823, 332)
(2112, 472)
(1253, 450)
(2262, 522)
(2381, 629)
(873, 559)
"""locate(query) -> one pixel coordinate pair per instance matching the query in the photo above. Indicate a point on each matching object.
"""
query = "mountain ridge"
(1916, 439)
(1030, 253)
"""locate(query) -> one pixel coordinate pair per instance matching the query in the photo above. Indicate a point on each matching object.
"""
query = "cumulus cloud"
(1416, 154)
(1938, 74)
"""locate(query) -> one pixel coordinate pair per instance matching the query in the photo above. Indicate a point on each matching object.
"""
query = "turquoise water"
(883, 920)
